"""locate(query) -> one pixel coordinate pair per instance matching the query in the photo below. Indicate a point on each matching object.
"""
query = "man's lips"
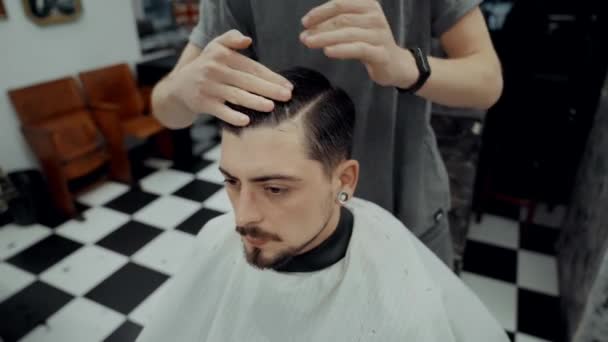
(256, 242)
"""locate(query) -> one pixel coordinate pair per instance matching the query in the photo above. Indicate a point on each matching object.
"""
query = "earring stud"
(343, 197)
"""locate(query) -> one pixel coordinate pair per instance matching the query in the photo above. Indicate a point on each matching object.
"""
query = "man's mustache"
(257, 233)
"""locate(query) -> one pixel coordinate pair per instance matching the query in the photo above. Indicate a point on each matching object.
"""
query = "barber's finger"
(229, 115)
(341, 36)
(361, 51)
(255, 84)
(333, 8)
(365, 21)
(248, 65)
(242, 98)
(234, 39)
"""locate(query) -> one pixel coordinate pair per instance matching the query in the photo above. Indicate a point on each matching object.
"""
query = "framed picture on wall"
(46, 12)
(2, 10)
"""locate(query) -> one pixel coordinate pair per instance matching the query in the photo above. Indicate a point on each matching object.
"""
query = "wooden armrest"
(105, 106)
(37, 131)
(146, 96)
(106, 117)
(109, 124)
(42, 142)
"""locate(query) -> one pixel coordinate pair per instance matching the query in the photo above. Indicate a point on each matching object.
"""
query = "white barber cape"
(388, 287)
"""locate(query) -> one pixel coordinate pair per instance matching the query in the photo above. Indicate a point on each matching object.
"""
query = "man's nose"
(247, 211)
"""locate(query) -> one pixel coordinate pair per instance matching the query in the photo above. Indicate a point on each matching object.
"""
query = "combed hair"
(327, 112)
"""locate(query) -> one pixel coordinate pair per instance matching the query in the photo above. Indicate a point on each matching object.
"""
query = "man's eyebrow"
(264, 178)
(267, 178)
(226, 173)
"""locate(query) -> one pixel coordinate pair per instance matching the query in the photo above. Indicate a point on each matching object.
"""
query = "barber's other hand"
(221, 74)
(358, 29)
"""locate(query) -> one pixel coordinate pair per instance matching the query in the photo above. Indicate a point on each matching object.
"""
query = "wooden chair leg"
(120, 167)
(164, 144)
(58, 186)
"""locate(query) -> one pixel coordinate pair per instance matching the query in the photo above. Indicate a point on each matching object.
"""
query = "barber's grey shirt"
(401, 169)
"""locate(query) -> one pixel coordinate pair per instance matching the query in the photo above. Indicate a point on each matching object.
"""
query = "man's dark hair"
(327, 112)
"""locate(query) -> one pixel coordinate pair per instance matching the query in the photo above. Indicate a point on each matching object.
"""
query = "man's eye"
(276, 190)
(229, 181)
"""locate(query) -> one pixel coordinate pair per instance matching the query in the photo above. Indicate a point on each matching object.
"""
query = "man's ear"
(347, 177)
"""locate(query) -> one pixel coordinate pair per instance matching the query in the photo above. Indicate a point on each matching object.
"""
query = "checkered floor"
(98, 280)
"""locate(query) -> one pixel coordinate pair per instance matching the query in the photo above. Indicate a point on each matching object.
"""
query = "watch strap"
(424, 70)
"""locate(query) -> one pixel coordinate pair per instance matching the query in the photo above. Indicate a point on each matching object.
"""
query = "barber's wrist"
(170, 90)
(407, 70)
(168, 107)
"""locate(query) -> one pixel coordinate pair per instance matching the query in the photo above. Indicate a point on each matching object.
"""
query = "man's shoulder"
(383, 234)
(373, 214)
(217, 226)
(218, 220)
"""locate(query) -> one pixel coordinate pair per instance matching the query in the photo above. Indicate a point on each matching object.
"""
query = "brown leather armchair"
(114, 88)
(69, 139)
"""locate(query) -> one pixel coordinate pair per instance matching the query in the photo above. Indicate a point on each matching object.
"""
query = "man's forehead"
(260, 169)
(287, 137)
(261, 150)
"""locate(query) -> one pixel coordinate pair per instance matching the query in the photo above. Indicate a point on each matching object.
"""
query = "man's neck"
(331, 249)
(328, 229)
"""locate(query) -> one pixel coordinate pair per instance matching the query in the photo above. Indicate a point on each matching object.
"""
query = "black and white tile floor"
(98, 280)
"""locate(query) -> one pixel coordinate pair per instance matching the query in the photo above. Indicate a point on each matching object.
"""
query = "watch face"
(424, 63)
(424, 70)
(421, 61)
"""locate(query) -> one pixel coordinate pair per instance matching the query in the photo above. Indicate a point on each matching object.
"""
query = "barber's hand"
(358, 29)
(222, 74)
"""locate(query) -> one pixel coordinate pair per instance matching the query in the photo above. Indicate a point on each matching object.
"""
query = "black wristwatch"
(424, 68)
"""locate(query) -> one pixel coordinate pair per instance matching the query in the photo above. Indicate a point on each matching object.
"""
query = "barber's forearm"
(169, 110)
(469, 82)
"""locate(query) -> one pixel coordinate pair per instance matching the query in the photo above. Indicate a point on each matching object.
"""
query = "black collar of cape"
(329, 252)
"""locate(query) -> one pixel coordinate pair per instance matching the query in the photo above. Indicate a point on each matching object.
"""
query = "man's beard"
(255, 259)
(255, 256)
